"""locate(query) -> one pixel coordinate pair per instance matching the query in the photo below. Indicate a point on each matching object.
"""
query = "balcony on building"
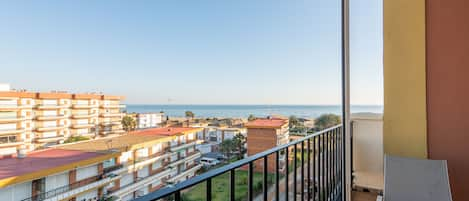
(11, 118)
(50, 117)
(176, 147)
(83, 116)
(84, 106)
(10, 131)
(83, 125)
(49, 128)
(111, 106)
(112, 115)
(51, 106)
(109, 132)
(74, 189)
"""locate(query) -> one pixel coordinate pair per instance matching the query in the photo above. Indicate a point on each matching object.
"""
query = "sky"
(193, 52)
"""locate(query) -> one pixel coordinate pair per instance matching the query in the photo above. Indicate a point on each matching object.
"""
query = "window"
(7, 139)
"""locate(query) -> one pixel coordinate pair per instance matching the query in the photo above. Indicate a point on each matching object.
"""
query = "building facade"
(149, 120)
(122, 167)
(264, 134)
(33, 120)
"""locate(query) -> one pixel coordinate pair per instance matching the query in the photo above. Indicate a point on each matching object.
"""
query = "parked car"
(209, 162)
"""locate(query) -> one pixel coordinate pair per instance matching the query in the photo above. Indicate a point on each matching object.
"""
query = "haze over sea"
(243, 111)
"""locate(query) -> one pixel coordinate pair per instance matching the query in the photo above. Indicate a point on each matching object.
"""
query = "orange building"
(264, 134)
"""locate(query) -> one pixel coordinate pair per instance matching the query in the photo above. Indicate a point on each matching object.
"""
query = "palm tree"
(190, 114)
(129, 123)
(251, 117)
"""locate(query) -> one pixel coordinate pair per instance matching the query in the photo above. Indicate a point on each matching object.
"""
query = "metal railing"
(318, 161)
(63, 189)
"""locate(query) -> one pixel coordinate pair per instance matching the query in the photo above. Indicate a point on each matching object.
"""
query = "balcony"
(185, 159)
(11, 131)
(8, 119)
(49, 128)
(120, 115)
(84, 106)
(50, 117)
(71, 190)
(111, 123)
(182, 146)
(9, 107)
(315, 170)
(138, 184)
(112, 106)
(49, 139)
(51, 106)
(190, 170)
(79, 126)
(83, 116)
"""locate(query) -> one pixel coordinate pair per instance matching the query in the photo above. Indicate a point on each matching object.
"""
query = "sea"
(243, 111)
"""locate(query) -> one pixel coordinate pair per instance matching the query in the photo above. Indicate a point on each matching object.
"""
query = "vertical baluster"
(287, 158)
(295, 152)
(277, 175)
(232, 185)
(264, 186)
(308, 186)
(209, 189)
(314, 168)
(302, 170)
(177, 196)
(250, 182)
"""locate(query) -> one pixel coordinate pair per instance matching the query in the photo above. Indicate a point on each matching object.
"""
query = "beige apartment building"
(30, 120)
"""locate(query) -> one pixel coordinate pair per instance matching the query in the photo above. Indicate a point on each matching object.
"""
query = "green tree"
(189, 114)
(252, 117)
(227, 147)
(294, 121)
(239, 142)
(325, 121)
(129, 123)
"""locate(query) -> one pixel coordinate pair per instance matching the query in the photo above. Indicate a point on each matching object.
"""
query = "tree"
(325, 121)
(294, 121)
(239, 142)
(227, 147)
(252, 117)
(129, 123)
(189, 114)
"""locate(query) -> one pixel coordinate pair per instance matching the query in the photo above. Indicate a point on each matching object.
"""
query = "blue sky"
(192, 52)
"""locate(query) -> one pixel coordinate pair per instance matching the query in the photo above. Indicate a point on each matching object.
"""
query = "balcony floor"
(364, 196)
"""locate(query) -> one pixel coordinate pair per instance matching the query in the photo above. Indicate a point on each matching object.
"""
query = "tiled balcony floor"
(364, 196)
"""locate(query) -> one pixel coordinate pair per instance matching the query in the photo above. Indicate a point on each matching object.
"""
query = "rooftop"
(45, 162)
(117, 143)
(266, 123)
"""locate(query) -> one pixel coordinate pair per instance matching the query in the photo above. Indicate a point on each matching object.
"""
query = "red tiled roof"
(166, 131)
(266, 123)
(41, 160)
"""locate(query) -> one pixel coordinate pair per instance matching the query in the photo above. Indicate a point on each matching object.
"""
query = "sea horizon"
(243, 111)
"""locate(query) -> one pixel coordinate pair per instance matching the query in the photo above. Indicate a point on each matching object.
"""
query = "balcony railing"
(67, 188)
(318, 158)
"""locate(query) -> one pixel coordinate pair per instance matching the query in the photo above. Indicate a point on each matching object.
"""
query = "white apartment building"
(30, 120)
(122, 167)
(149, 120)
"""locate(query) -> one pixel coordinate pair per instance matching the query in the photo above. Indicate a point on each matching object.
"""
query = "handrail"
(177, 188)
(63, 189)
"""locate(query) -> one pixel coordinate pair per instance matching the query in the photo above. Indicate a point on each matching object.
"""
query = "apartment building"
(30, 120)
(265, 134)
(122, 167)
(212, 136)
(149, 120)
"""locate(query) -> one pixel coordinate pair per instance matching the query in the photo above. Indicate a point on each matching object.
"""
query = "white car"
(209, 162)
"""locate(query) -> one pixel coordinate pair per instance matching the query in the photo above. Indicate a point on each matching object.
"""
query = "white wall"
(86, 172)
(368, 154)
(87, 195)
(126, 179)
(56, 181)
(16, 192)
